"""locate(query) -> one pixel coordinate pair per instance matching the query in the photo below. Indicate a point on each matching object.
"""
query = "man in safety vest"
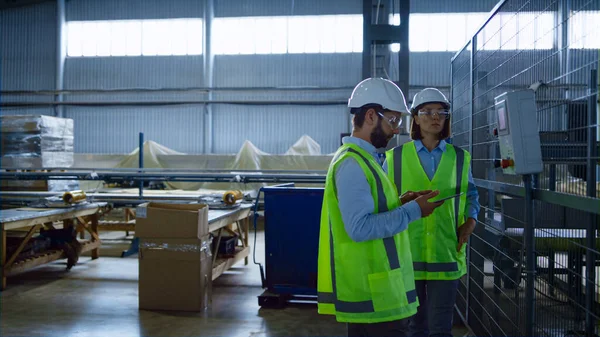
(437, 242)
(365, 272)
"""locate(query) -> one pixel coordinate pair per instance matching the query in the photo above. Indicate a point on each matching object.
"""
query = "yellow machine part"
(230, 197)
(74, 196)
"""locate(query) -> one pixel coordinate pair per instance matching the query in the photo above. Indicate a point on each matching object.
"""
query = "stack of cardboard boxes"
(175, 260)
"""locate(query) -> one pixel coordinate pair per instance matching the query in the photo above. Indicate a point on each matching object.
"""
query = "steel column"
(61, 54)
(141, 164)
(208, 67)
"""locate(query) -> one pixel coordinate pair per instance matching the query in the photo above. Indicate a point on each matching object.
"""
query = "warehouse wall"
(29, 57)
(285, 123)
(115, 129)
(28, 54)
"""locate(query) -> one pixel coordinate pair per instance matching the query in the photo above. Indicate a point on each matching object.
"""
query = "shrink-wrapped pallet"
(37, 142)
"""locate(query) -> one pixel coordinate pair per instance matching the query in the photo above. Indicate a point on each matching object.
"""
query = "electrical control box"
(517, 132)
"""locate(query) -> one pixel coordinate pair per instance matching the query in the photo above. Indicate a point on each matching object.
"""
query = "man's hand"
(428, 207)
(410, 196)
(464, 232)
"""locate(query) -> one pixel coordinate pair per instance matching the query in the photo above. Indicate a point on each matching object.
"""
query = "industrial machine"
(518, 133)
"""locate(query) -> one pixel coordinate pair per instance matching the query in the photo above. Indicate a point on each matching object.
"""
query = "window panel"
(357, 33)
(134, 37)
(225, 36)
(544, 29)
(118, 38)
(88, 30)
(584, 29)
(312, 33)
(457, 31)
(418, 32)
(151, 37)
(326, 34)
(394, 19)
(344, 31)
(194, 36)
(179, 37)
(526, 38)
(492, 34)
(438, 32)
(435, 32)
(246, 34)
(296, 37)
(279, 34)
(75, 38)
(508, 37)
(264, 40)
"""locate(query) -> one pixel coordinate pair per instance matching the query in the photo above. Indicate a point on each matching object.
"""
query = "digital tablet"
(450, 197)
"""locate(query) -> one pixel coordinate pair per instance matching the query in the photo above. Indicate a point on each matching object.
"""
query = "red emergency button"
(507, 163)
(495, 132)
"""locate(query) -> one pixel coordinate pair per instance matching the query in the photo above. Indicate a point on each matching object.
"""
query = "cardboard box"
(175, 274)
(172, 221)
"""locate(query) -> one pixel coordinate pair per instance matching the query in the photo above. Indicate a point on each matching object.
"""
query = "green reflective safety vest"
(363, 282)
(434, 239)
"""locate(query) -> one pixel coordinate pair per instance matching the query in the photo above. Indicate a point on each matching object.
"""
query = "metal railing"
(534, 257)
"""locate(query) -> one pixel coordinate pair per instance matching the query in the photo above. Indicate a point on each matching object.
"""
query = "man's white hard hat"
(378, 91)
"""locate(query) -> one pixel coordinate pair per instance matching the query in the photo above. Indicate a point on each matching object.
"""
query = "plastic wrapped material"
(41, 160)
(31, 135)
(179, 247)
(40, 185)
(37, 142)
(305, 154)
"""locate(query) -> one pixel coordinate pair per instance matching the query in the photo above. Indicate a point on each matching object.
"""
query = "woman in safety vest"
(438, 241)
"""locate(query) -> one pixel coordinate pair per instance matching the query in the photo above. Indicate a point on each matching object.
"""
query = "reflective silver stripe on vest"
(435, 267)
(397, 153)
(357, 307)
(460, 158)
(391, 251)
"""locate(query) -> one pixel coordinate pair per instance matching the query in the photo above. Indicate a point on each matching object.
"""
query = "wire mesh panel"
(461, 115)
(550, 47)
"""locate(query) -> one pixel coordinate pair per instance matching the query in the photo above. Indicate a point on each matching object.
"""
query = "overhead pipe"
(177, 90)
(163, 103)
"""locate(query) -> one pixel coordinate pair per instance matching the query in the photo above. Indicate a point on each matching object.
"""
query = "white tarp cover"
(305, 154)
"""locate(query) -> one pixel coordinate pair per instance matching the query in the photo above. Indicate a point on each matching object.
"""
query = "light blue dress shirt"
(357, 204)
(431, 160)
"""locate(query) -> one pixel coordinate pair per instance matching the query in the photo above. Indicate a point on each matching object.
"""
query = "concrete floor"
(100, 298)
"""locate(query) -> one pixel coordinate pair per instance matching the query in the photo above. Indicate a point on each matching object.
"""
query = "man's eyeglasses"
(394, 121)
(442, 114)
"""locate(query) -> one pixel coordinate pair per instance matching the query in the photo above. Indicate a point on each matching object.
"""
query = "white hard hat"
(429, 95)
(378, 91)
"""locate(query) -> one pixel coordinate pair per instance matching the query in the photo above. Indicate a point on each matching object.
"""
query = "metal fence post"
(592, 153)
(530, 257)
(471, 111)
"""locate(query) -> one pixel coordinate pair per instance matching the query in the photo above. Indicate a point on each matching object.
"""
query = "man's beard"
(379, 138)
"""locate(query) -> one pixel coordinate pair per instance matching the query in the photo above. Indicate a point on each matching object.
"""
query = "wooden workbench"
(219, 220)
(85, 215)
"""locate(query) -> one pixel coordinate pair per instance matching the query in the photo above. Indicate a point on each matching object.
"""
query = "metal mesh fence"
(549, 285)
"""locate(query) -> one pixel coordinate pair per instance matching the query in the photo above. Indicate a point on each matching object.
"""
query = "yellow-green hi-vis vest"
(370, 281)
(434, 239)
